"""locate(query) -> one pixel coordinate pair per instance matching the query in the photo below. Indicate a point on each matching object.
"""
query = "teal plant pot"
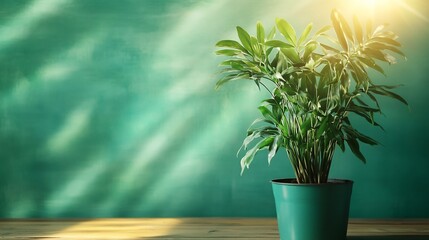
(312, 211)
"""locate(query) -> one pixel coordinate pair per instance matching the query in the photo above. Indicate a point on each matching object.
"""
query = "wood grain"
(193, 228)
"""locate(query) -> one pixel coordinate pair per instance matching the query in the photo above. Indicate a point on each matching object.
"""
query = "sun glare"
(381, 11)
(372, 8)
(373, 3)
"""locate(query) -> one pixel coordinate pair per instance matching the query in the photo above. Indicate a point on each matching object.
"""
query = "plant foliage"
(315, 82)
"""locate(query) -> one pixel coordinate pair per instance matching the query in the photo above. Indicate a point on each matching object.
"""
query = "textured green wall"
(107, 109)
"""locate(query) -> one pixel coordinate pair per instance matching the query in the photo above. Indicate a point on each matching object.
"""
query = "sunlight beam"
(74, 124)
(412, 10)
(69, 195)
(149, 151)
(379, 9)
(23, 23)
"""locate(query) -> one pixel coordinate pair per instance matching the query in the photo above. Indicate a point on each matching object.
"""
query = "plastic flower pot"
(312, 211)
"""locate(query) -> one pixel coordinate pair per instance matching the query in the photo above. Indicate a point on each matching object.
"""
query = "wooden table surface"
(194, 228)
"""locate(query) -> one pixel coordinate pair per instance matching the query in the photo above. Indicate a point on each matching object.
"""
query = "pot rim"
(292, 181)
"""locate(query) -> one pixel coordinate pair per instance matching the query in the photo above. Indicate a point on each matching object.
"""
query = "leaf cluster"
(315, 82)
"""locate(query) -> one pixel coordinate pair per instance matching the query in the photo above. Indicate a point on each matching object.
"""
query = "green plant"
(315, 83)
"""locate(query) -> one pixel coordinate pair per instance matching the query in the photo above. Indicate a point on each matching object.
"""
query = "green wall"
(107, 109)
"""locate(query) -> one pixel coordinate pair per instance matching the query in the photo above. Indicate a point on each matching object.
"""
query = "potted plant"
(316, 83)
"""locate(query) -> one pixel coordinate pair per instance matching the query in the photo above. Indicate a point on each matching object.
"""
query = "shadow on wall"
(75, 115)
(96, 121)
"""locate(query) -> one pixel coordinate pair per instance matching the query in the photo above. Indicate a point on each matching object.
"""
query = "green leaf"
(286, 30)
(274, 147)
(228, 52)
(260, 32)
(278, 43)
(323, 30)
(345, 26)
(322, 128)
(268, 114)
(381, 46)
(305, 126)
(384, 92)
(374, 99)
(361, 137)
(389, 58)
(249, 139)
(228, 78)
(272, 33)
(377, 54)
(378, 30)
(368, 140)
(252, 67)
(291, 54)
(256, 46)
(360, 101)
(257, 121)
(325, 77)
(269, 101)
(250, 155)
(388, 34)
(305, 33)
(361, 75)
(309, 48)
(276, 107)
(340, 141)
(231, 44)
(354, 146)
(371, 63)
(229, 62)
(238, 65)
(244, 38)
(385, 40)
(358, 29)
(365, 109)
(338, 30)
